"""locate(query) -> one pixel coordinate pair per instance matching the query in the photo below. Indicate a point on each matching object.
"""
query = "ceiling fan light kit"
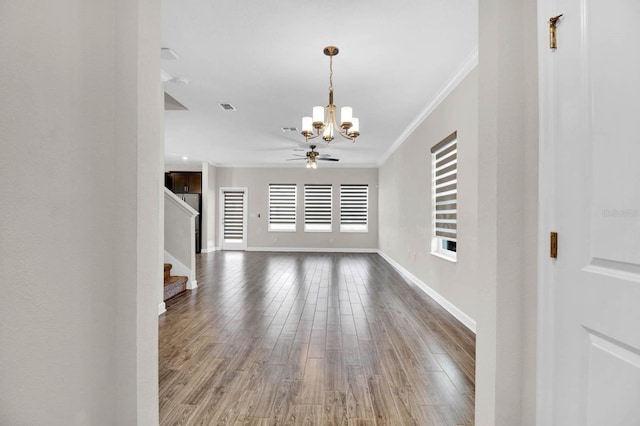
(349, 126)
(312, 158)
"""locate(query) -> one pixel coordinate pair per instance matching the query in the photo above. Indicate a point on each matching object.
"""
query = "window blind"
(354, 206)
(282, 207)
(445, 184)
(317, 207)
(233, 216)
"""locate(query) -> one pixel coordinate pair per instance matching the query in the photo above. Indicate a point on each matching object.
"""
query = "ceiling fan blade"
(328, 159)
(291, 159)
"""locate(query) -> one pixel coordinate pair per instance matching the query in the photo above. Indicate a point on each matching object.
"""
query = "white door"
(590, 148)
(233, 218)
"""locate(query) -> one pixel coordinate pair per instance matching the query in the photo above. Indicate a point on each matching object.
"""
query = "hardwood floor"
(311, 339)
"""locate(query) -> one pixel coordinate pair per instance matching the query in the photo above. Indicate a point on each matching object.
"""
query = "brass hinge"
(553, 42)
(553, 245)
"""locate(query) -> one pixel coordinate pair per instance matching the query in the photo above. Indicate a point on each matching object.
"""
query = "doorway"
(233, 218)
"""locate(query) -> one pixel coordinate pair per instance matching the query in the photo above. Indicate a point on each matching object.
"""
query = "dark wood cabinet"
(184, 182)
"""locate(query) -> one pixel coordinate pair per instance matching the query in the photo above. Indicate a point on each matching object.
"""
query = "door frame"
(546, 301)
(221, 192)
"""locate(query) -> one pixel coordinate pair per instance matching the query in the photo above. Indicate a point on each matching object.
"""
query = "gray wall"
(405, 199)
(257, 181)
(81, 167)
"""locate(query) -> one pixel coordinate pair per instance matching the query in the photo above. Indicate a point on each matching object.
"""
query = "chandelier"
(349, 127)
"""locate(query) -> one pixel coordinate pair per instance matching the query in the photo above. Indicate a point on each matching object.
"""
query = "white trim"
(178, 268)
(467, 66)
(545, 345)
(209, 250)
(168, 195)
(162, 308)
(450, 307)
(314, 249)
(444, 255)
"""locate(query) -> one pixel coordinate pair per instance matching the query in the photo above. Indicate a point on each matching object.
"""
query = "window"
(445, 197)
(317, 208)
(282, 207)
(354, 206)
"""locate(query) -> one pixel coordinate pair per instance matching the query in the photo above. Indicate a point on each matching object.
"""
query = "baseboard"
(178, 268)
(162, 308)
(450, 307)
(192, 284)
(209, 250)
(314, 250)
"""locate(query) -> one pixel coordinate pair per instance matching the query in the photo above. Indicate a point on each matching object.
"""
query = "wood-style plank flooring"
(311, 339)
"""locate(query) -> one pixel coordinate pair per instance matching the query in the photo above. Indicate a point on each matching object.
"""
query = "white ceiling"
(265, 58)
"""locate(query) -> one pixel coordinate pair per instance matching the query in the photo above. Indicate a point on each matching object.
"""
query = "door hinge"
(553, 42)
(553, 245)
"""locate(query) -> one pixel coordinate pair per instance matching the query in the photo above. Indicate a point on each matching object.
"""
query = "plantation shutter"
(354, 206)
(445, 184)
(282, 207)
(233, 216)
(317, 207)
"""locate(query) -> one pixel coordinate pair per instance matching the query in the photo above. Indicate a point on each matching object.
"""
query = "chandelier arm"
(346, 136)
(319, 132)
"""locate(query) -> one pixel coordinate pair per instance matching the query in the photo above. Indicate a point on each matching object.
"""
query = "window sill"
(281, 230)
(445, 256)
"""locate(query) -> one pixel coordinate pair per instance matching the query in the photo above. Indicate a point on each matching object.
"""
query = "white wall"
(79, 219)
(507, 176)
(257, 181)
(179, 234)
(405, 199)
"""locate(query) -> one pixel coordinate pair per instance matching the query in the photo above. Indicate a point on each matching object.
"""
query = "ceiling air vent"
(288, 129)
(168, 54)
(227, 107)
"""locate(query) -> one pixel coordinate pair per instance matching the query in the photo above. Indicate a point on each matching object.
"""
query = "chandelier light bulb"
(318, 115)
(354, 130)
(306, 124)
(345, 116)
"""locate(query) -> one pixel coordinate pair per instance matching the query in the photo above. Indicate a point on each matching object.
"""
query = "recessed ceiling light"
(227, 107)
(288, 129)
(185, 158)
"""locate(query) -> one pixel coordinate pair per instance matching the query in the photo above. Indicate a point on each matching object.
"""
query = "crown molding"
(467, 66)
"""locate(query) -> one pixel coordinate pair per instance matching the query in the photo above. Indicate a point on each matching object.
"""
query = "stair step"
(174, 286)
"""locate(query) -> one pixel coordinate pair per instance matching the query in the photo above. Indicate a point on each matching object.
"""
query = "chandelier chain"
(331, 73)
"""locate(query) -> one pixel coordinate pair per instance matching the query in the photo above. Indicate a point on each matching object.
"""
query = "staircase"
(173, 285)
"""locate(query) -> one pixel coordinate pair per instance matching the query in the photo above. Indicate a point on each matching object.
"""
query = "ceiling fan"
(312, 157)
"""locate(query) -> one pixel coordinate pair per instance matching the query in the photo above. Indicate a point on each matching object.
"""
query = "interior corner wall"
(78, 313)
(406, 199)
(257, 181)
